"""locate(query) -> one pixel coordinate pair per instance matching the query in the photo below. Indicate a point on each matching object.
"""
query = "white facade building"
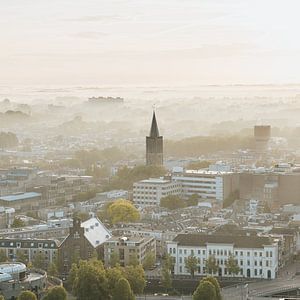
(257, 257)
(207, 184)
(149, 192)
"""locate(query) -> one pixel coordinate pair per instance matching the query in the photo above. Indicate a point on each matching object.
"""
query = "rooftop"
(22, 196)
(95, 232)
(237, 241)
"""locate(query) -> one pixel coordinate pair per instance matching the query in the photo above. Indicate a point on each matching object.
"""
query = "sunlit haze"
(144, 42)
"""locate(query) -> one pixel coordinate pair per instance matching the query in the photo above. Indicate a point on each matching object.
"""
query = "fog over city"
(149, 149)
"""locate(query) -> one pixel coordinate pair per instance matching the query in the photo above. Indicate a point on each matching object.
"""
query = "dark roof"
(28, 243)
(154, 128)
(284, 231)
(238, 241)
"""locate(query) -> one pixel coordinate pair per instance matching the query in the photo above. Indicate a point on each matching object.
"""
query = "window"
(241, 253)
(267, 253)
(255, 253)
(271, 253)
(255, 272)
(248, 253)
(180, 260)
(184, 251)
(180, 251)
(248, 262)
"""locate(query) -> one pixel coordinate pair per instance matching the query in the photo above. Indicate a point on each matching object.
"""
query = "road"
(149, 297)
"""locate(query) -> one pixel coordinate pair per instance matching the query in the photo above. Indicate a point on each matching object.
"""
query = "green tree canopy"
(114, 259)
(166, 278)
(205, 291)
(52, 269)
(123, 211)
(232, 265)
(192, 200)
(136, 278)
(27, 295)
(72, 276)
(17, 223)
(191, 264)
(91, 281)
(39, 261)
(211, 265)
(125, 176)
(172, 202)
(216, 284)
(3, 257)
(196, 165)
(133, 260)
(113, 275)
(149, 260)
(122, 290)
(56, 293)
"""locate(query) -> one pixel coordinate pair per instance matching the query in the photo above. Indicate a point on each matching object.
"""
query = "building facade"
(149, 192)
(128, 248)
(208, 185)
(154, 145)
(27, 250)
(257, 257)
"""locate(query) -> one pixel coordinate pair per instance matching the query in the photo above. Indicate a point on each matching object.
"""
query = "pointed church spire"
(154, 128)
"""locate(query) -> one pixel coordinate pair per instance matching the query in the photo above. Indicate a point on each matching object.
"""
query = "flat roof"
(23, 196)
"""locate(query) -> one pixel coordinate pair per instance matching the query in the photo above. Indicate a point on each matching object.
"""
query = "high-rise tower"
(154, 145)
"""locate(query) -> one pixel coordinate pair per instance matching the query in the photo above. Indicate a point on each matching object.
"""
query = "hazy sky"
(161, 42)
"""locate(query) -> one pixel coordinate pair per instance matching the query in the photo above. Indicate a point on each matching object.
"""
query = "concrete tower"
(154, 145)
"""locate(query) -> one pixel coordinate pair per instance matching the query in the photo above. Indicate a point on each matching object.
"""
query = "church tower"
(154, 145)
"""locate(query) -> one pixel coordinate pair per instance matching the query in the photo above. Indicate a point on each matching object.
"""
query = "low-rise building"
(257, 257)
(15, 278)
(128, 248)
(211, 185)
(22, 201)
(27, 249)
(149, 192)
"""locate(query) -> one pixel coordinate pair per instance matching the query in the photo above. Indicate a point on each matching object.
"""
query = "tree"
(125, 176)
(211, 265)
(172, 202)
(56, 293)
(91, 282)
(196, 165)
(205, 291)
(192, 200)
(216, 284)
(113, 275)
(122, 290)
(27, 295)
(3, 257)
(166, 278)
(168, 262)
(133, 260)
(52, 269)
(136, 278)
(72, 276)
(39, 261)
(191, 264)
(123, 211)
(17, 223)
(149, 260)
(114, 259)
(22, 257)
(232, 265)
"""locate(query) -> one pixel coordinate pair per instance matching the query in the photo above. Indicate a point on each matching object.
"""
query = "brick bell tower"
(154, 145)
